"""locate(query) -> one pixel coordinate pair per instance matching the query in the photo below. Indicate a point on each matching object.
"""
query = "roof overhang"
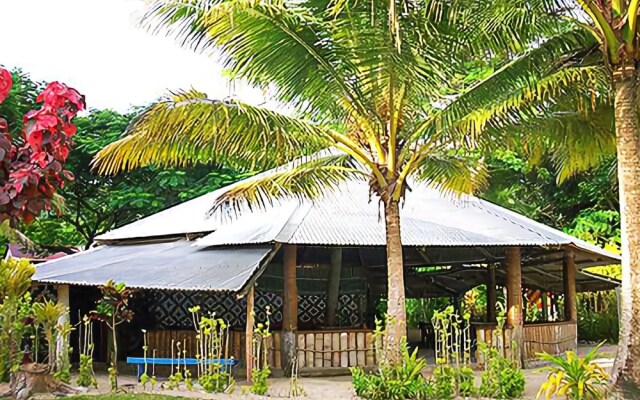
(175, 265)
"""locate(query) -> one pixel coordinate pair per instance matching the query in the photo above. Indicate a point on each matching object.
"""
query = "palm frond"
(305, 180)
(451, 171)
(268, 42)
(532, 78)
(187, 128)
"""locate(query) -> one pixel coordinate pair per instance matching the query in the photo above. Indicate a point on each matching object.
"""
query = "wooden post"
(492, 297)
(63, 298)
(333, 292)
(290, 309)
(249, 334)
(514, 300)
(569, 280)
(545, 306)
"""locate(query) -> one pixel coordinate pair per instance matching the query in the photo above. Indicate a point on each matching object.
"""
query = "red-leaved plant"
(32, 171)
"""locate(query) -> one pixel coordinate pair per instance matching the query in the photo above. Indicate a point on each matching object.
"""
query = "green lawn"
(126, 396)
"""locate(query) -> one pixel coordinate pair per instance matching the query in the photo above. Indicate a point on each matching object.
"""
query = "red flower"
(5, 84)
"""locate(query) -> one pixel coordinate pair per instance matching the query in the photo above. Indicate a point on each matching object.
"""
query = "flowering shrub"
(31, 169)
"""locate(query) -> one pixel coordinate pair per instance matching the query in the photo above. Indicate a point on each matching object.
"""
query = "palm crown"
(370, 80)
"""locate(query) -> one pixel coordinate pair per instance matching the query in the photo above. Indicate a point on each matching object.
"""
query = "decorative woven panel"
(351, 310)
(171, 308)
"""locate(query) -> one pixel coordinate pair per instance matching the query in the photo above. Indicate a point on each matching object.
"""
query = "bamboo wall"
(552, 338)
(335, 348)
(316, 349)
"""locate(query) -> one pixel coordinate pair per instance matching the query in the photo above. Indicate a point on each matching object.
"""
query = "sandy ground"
(323, 388)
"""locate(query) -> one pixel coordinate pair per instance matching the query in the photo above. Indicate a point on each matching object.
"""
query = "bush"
(502, 379)
(575, 377)
(394, 382)
(444, 378)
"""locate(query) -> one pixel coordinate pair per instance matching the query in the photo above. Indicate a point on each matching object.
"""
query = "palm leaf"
(452, 171)
(187, 128)
(305, 179)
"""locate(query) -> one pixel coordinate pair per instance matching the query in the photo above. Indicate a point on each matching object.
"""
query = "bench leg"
(140, 371)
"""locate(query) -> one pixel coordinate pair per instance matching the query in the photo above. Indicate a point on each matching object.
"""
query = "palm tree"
(575, 97)
(351, 85)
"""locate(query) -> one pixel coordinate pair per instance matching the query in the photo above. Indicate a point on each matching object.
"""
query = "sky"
(98, 47)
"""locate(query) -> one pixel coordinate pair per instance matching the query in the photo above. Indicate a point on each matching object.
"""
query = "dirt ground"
(326, 388)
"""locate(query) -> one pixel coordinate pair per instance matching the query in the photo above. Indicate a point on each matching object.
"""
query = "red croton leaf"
(5, 84)
(31, 174)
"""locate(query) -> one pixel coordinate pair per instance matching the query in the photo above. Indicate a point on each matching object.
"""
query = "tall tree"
(576, 96)
(359, 77)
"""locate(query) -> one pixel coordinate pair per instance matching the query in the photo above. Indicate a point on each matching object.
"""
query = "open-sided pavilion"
(320, 265)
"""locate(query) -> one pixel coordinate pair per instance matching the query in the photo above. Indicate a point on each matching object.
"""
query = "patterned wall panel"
(170, 309)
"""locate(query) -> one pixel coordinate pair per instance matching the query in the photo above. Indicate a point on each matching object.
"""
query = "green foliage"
(502, 378)
(211, 344)
(444, 379)
(574, 377)
(422, 310)
(466, 382)
(86, 376)
(260, 372)
(113, 309)
(394, 381)
(259, 383)
(15, 307)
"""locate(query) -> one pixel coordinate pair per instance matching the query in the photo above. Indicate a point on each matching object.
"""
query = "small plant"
(15, 309)
(574, 377)
(86, 374)
(444, 379)
(465, 379)
(399, 381)
(213, 344)
(261, 371)
(46, 315)
(113, 309)
(502, 379)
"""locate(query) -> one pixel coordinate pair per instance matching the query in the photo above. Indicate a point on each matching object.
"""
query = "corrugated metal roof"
(174, 265)
(349, 217)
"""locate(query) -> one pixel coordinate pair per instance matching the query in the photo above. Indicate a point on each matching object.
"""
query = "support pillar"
(492, 297)
(545, 306)
(569, 281)
(333, 292)
(290, 309)
(514, 301)
(249, 334)
(63, 298)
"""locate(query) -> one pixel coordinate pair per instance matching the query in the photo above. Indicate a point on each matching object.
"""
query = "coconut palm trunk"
(627, 368)
(395, 278)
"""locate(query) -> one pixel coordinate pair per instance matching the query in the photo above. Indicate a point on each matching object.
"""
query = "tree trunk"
(395, 275)
(627, 366)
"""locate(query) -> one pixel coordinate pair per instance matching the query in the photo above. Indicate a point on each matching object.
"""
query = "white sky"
(97, 47)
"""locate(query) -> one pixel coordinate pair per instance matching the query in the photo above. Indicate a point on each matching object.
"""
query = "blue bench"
(140, 361)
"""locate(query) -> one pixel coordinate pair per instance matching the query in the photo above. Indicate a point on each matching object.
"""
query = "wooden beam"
(64, 299)
(333, 291)
(569, 283)
(249, 334)
(290, 309)
(514, 299)
(492, 296)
